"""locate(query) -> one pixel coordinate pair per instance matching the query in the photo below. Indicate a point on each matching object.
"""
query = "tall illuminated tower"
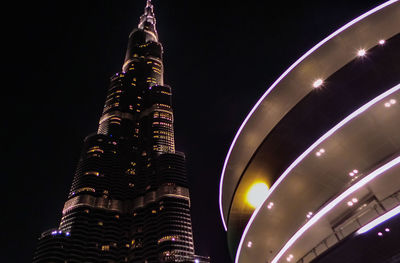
(129, 199)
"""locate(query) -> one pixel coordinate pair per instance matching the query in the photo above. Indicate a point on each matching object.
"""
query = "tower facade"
(129, 199)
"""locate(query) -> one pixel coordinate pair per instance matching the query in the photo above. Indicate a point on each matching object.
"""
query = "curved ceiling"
(365, 141)
(296, 83)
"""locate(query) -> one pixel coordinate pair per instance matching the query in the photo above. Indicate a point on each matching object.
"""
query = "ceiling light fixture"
(318, 83)
(361, 52)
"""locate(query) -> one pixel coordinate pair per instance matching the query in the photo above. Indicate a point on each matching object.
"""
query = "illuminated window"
(115, 120)
(92, 173)
(95, 149)
(164, 115)
(168, 238)
(130, 171)
(84, 189)
(105, 248)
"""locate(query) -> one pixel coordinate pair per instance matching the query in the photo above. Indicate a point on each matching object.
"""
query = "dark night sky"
(220, 56)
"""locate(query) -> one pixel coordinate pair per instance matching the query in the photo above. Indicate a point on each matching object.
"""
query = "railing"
(370, 211)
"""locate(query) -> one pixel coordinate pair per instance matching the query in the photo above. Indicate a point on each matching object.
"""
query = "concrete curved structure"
(335, 111)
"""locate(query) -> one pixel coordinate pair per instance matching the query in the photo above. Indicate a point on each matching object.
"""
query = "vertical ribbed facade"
(129, 199)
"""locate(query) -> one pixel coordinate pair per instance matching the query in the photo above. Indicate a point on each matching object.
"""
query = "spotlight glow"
(256, 194)
(381, 42)
(361, 52)
(318, 83)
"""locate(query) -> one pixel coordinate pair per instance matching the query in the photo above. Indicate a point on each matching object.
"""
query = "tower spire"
(148, 20)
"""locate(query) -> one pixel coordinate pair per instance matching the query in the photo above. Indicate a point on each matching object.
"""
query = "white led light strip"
(310, 149)
(276, 83)
(395, 211)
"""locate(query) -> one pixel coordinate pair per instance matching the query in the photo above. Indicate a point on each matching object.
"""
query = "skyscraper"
(129, 200)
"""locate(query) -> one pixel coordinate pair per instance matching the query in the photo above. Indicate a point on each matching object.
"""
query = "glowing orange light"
(256, 194)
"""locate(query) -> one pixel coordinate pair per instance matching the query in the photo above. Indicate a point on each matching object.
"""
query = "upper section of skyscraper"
(143, 40)
(317, 158)
(148, 21)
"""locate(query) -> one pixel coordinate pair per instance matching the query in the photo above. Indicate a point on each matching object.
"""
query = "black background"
(219, 57)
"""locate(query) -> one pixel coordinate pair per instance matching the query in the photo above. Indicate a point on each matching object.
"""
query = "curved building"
(313, 173)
